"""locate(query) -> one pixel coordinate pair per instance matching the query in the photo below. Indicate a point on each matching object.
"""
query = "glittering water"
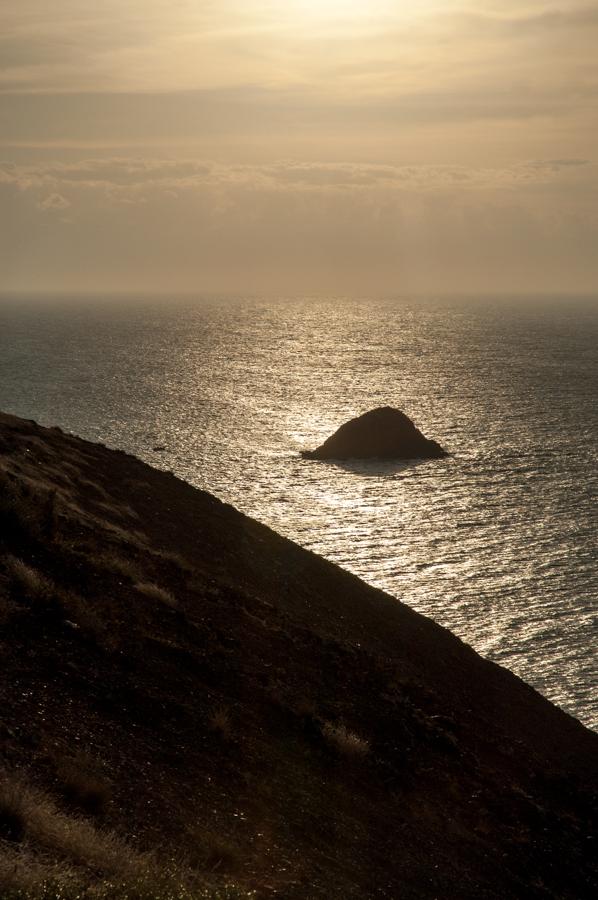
(497, 542)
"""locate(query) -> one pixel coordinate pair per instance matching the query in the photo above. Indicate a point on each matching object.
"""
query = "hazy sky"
(355, 147)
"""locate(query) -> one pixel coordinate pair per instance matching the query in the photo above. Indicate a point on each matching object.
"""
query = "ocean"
(496, 542)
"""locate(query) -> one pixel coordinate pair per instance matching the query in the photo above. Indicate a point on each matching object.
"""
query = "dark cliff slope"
(178, 678)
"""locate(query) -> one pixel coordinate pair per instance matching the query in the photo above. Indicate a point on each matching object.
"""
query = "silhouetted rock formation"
(383, 433)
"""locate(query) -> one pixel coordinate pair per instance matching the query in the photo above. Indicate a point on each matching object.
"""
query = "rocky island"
(192, 706)
(383, 433)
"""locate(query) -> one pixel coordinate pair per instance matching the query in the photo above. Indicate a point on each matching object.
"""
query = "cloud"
(517, 23)
(559, 163)
(297, 227)
(121, 176)
(153, 47)
(275, 120)
(55, 202)
(436, 81)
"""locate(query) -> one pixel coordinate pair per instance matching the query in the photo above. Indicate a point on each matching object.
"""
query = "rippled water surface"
(497, 542)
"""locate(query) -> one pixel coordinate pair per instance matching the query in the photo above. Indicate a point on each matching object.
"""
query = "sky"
(284, 147)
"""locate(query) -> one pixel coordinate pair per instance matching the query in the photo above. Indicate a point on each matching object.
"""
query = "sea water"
(497, 541)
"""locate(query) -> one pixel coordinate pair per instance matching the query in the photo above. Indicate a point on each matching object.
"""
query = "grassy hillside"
(193, 706)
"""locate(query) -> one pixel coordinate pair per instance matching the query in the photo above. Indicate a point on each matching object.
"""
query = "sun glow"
(337, 10)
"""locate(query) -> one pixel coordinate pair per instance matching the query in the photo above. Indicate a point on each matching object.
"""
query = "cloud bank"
(295, 227)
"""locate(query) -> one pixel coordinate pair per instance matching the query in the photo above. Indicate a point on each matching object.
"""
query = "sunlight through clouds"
(293, 106)
(338, 11)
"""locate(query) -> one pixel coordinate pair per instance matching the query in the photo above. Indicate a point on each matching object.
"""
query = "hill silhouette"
(194, 706)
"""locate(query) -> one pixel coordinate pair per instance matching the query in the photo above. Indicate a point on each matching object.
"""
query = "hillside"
(192, 705)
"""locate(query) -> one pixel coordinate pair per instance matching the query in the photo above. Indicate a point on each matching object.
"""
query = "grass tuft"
(31, 583)
(154, 592)
(220, 723)
(82, 786)
(345, 742)
(27, 511)
(12, 813)
(213, 853)
(48, 855)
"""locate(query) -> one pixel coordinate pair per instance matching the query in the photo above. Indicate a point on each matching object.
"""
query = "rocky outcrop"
(383, 433)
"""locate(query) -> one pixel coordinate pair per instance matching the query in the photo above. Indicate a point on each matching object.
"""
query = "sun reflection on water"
(496, 541)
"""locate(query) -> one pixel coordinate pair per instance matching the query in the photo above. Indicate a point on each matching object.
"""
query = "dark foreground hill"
(192, 706)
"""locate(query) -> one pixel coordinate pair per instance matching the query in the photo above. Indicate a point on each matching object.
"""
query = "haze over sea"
(496, 542)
